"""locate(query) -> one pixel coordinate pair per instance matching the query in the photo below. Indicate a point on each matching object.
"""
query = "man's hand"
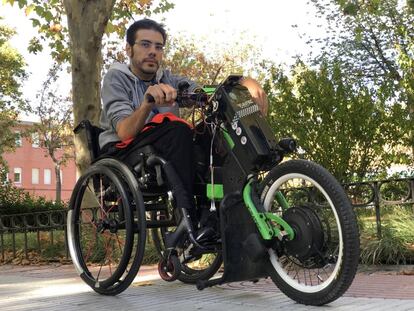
(258, 94)
(164, 95)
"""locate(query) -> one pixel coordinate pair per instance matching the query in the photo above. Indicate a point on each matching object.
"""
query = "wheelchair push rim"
(100, 228)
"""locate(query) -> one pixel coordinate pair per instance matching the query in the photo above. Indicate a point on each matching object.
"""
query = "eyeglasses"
(145, 44)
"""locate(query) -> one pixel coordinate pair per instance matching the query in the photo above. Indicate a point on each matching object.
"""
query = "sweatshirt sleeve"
(115, 100)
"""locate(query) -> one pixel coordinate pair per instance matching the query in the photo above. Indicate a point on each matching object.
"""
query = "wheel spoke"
(312, 259)
(100, 196)
(91, 220)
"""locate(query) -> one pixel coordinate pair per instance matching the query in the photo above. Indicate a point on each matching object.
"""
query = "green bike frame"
(268, 224)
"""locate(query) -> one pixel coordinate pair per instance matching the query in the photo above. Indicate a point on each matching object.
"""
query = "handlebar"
(186, 99)
(192, 99)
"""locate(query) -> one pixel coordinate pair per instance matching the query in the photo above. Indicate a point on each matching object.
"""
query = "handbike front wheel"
(319, 264)
(100, 229)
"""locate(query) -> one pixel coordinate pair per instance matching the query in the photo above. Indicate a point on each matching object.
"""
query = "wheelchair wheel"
(202, 267)
(101, 230)
(319, 264)
(139, 222)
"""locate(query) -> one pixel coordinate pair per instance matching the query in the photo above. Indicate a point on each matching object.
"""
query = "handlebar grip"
(287, 144)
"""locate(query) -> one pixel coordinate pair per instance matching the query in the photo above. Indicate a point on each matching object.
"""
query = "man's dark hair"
(145, 23)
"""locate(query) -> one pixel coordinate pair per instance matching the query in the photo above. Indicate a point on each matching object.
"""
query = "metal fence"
(381, 193)
(373, 194)
(18, 225)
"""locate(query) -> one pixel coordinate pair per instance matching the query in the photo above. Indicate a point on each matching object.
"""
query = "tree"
(374, 41)
(55, 127)
(188, 58)
(87, 23)
(11, 77)
(336, 119)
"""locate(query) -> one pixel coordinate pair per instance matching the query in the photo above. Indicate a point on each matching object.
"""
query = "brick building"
(31, 169)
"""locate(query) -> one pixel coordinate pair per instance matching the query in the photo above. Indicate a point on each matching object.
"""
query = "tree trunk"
(86, 21)
(410, 104)
(58, 184)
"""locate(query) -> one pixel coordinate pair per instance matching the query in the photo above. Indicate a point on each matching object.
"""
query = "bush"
(53, 251)
(396, 244)
(150, 255)
(17, 201)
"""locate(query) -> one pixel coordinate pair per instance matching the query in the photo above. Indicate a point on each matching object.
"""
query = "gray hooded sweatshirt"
(123, 92)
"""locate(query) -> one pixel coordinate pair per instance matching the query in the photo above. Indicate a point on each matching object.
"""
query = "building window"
(18, 139)
(47, 176)
(35, 140)
(35, 176)
(17, 175)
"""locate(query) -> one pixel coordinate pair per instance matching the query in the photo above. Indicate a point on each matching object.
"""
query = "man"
(133, 94)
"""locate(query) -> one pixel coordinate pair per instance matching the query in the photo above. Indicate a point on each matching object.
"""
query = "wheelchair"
(290, 221)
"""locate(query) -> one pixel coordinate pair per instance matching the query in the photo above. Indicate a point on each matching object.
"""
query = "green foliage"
(124, 10)
(56, 123)
(40, 250)
(11, 76)
(395, 190)
(396, 244)
(53, 251)
(387, 250)
(337, 120)
(205, 63)
(17, 201)
(74, 30)
(374, 41)
(48, 17)
(150, 255)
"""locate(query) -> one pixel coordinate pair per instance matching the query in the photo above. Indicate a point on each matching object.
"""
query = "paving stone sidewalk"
(59, 288)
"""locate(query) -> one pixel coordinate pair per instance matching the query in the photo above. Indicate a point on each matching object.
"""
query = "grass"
(39, 248)
(396, 245)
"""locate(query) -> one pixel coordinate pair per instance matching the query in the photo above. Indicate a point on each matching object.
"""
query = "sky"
(266, 23)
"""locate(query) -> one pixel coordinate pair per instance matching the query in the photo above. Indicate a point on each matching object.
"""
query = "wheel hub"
(309, 237)
(107, 224)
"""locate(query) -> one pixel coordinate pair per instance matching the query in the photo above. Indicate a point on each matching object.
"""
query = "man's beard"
(148, 69)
